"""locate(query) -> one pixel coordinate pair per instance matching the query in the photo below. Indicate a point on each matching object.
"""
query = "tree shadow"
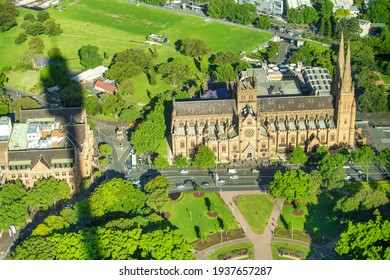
(221, 223)
(207, 202)
(178, 45)
(197, 231)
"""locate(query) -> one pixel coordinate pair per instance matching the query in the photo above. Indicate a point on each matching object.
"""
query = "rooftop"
(205, 107)
(105, 86)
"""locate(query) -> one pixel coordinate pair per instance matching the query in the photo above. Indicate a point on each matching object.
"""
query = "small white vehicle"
(346, 166)
(232, 171)
(360, 173)
(180, 186)
(184, 171)
(254, 170)
(234, 177)
(349, 177)
(221, 181)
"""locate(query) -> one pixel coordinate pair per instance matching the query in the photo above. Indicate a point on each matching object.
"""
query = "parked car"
(360, 173)
(254, 170)
(180, 186)
(70, 205)
(234, 177)
(184, 171)
(232, 171)
(205, 184)
(349, 177)
(221, 181)
(346, 166)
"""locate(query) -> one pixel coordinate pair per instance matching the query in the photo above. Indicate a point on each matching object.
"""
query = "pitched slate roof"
(34, 155)
(205, 107)
(296, 103)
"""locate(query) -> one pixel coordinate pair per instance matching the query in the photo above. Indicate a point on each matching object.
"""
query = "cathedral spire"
(347, 76)
(341, 57)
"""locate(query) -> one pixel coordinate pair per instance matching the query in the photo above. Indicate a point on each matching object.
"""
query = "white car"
(184, 171)
(346, 167)
(255, 170)
(360, 173)
(234, 177)
(349, 177)
(180, 186)
(221, 181)
(232, 171)
(135, 181)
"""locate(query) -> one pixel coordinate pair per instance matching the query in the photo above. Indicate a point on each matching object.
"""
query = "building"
(90, 74)
(47, 143)
(104, 87)
(158, 38)
(345, 5)
(271, 7)
(365, 25)
(268, 116)
(297, 4)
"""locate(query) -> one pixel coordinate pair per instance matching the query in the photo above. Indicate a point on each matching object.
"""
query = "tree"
(294, 16)
(309, 14)
(225, 72)
(36, 44)
(52, 28)
(181, 161)
(204, 157)
(43, 16)
(150, 132)
(244, 14)
(48, 192)
(126, 87)
(112, 105)
(13, 205)
(379, 11)
(35, 29)
(342, 13)
(23, 103)
(157, 192)
(364, 199)
(293, 185)
(383, 159)
(243, 65)
(105, 149)
(21, 38)
(129, 114)
(160, 162)
(89, 57)
(5, 101)
(349, 27)
(129, 63)
(298, 156)
(263, 22)
(175, 72)
(331, 168)
(195, 48)
(29, 17)
(103, 161)
(365, 156)
(227, 57)
(221, 8)
(272, 50)
(8, 15)
(366, 240)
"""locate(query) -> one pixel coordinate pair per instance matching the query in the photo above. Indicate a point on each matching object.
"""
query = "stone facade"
(70, 160)
(255, 127)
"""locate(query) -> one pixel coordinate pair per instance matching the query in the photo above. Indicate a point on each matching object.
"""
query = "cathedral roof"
(296, 103)
(205, 107)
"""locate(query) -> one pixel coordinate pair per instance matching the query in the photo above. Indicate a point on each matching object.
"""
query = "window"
(332, 137)
(214, 149)
(25, 175)
(57, 174)
(283, 139)
(344, 138)
(345, 121)
(63, 173)
(263, 145)
(293, 139)
(322, 138)
(182, 144)
(20, 176)
(34, 176)
(234, 147)
(27, 182)
(223, 148)
(249, 122)
(70, 173)
(13, 176)
(303, 138)
(192, 144)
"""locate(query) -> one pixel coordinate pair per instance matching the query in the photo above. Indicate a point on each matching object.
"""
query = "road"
(16, 93)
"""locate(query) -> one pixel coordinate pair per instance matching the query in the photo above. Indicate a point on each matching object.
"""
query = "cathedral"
(273, 109)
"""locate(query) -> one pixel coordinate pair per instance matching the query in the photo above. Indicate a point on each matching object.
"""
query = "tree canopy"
(157, 191)
(89, 56)
(105, 149)
(298, 156)
(204, 157)
(8, 15)
(194, 47)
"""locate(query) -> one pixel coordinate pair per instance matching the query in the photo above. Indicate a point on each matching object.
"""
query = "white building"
(345, 5)
(271, 7)
(5, 128)
(90, 74)
(365, 25)
(297, 4)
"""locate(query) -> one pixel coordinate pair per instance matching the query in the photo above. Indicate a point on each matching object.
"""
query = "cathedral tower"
(345, 109)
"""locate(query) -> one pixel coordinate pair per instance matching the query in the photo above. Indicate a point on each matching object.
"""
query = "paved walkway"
(261, 243)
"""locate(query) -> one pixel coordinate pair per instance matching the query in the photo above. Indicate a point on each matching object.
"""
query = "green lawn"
(245, 245)
(256, 210)
(286, 247)
(191, 212)
(317, 45)
(317, 220)
(23, 80)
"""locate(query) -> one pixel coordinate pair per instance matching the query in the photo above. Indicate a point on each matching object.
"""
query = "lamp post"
(190, 215)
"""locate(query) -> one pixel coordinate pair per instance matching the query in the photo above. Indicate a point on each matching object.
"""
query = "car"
(184, 171)
(135, 181)
(69, 206)
(360, 173)
(234, 177)
(205, 184)
(254, 170)
(221, 181)
(180, 186)
(232, 171)
(189, 181)
(349, 177)
(364, 176)
(346, 166)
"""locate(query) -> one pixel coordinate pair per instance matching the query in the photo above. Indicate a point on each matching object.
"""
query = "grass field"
(190, 212)
(317, 220)
(117, 25)
(245, 245)
(256, 210)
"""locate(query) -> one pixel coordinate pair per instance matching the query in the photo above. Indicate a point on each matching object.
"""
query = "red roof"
(105, 86)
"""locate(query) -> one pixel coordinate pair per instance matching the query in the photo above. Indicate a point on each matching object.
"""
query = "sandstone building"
(46, 143)
(273, 110)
